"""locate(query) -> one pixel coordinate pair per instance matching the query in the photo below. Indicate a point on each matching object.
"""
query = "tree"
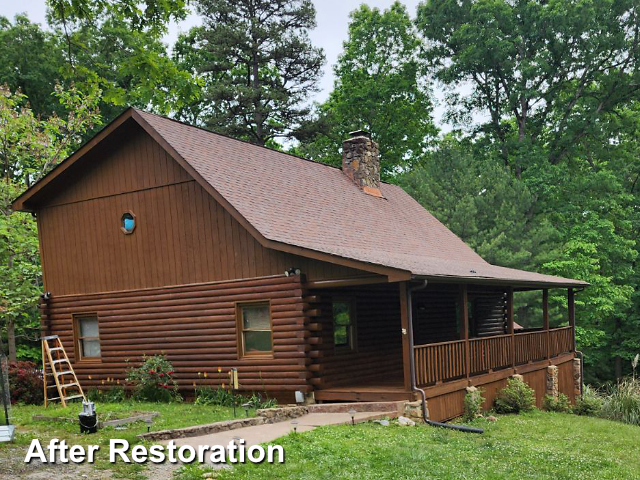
(263, 63)
(546, 72)
(480, 200)
(378, 87)
(96, 36)
(29, 148)
(30, 60)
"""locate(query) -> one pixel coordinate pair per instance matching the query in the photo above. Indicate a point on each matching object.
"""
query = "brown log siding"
(378, 352)
(195, 327)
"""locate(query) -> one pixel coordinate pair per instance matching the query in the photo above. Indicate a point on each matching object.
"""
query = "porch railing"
(490, 353)
(530, 346)
(560, 341)
(445, 361)
(439, 362)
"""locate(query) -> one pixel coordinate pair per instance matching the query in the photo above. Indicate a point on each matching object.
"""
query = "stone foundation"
(577, 377)
(552, 381)
(413, 410)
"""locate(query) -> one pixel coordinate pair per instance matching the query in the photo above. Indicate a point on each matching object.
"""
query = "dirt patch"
(12, 467)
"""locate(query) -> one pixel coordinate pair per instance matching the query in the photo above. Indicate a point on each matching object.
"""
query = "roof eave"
(502, 281)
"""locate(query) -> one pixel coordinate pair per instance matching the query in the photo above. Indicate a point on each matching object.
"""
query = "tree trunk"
(11, 340)
(618, 368)
(258, 107)
(618, 360)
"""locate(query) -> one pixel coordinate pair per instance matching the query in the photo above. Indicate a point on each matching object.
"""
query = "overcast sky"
(332, 17)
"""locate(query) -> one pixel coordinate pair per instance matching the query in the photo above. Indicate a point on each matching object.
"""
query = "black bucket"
(88, 423)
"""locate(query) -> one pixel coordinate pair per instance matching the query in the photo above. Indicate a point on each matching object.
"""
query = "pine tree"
(263, 63)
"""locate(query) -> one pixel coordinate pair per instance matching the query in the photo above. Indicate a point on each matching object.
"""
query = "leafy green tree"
(379, 87)
(29, 148)
(260, 66)
(545, 72)
(117, 47)
(30, 60)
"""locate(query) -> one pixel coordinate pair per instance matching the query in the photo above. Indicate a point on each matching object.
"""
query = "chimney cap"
(360, 133)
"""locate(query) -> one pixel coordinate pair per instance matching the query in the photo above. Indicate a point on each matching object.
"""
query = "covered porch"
(445, 336)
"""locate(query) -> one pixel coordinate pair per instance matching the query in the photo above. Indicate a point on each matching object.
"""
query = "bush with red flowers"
(25, 383)
(153, 381)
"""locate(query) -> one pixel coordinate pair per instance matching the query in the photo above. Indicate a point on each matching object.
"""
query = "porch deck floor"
(375, 390)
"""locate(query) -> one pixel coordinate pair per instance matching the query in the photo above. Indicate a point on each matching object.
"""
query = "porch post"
(464, 328)
(510, 329)
(572, 316)
(406, 347)
(545, 320)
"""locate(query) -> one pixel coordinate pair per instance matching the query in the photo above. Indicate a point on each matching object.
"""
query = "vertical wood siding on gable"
(182, 235)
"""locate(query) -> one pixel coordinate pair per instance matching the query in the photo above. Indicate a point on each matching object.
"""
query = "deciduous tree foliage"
(381, 87)
(29, 148)
(545, 72)
(258, 64)
(30, 60)
(555, 80)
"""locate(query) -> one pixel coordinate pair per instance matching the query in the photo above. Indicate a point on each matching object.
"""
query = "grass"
(172, 415)
(535, 445)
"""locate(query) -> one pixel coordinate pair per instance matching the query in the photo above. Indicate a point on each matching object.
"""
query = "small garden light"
(149, 422)
(246, 407)
(295, 425)
(352, 412)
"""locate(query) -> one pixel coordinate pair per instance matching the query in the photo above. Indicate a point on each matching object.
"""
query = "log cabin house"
(158, 237)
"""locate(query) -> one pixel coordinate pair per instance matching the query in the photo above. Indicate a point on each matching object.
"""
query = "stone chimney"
(360, 162)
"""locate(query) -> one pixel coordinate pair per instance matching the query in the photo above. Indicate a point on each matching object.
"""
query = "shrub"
(473, 401)
(622, 402)
(213, 396)
(560, 403)
(114, 394)
(590, 403)
(225, 398)
(516, 397)
(25, 383)
(153, 381)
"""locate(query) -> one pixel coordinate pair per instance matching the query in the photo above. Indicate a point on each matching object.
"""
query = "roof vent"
(360, 162)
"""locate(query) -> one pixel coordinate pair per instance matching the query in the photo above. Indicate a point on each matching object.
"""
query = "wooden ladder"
(56, 364)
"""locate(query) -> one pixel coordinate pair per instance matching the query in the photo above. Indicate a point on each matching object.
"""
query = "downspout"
(412, 369)
(578, 352)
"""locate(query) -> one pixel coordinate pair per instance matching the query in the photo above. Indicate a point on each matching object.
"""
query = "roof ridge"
(235, 139)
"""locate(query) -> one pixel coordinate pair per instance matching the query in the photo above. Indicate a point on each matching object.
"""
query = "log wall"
(378, 343)
(195, 327)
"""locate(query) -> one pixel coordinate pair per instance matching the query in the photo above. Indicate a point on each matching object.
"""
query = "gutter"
(412, 368)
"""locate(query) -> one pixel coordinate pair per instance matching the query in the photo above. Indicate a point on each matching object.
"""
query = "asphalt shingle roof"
(316, 207)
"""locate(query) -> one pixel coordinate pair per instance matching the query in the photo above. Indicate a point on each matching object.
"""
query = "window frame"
(242, 354)
(135, 222)
(77, 339)
(352, 344)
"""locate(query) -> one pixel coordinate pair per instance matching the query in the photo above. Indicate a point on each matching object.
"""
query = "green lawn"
(173, 415)
(535, 445)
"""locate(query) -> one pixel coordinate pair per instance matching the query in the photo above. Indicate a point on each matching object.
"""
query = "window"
(255, 329)
(344, 323)
(128, 222)
(87, 337)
